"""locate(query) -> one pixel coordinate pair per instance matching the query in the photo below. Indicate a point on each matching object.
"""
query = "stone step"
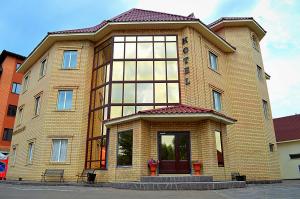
(150, 186)
(176, 179)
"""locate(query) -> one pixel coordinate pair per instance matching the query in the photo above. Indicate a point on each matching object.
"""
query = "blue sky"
(24, 23)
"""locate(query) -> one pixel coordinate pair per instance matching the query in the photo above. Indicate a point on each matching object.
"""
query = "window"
(26, 83)
(64, 100)
(266, 109)
(59, 150)
(14, 155)
(254, 42)
(16, 88)
(43, 68)
(271, 147)
(142, 74)
(259, 72)
(37, 105)
(125, 148)
(11, 110)
(217, 101)
(219, 148)
(7, 134)
(30, 153)
(18, 66)
(295, 156)
(213, 60)
(70, 59)
(20, 115)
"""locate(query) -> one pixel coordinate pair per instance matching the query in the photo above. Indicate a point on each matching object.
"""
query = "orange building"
(10, 88)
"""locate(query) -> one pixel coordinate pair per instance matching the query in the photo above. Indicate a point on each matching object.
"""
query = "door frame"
(175, 133)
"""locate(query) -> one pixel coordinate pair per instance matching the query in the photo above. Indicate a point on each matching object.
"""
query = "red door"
(174, 152)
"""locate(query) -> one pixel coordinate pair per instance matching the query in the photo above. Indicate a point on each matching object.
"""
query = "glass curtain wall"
(131, 73)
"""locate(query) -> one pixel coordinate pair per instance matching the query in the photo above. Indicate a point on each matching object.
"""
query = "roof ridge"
(122, 14)
(176, 15)
(295, 115)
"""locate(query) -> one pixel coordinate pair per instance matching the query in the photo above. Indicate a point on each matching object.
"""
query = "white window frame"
(59, 150)
(265, 108)
(210, 63)
(26, 83)
(65, 99)
(30, 152)
(214, 100)
(20, 114)
(70, 56)
(37, 105)
(43, 68)
(259, 72)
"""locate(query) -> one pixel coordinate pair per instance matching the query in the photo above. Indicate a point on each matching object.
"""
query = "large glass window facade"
(131, 73)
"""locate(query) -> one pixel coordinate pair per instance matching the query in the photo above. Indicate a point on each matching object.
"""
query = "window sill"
(41, 77)
(124, 167)
(64, 111)
(59, 163)
(214, 70)
(69, 68)
(36, 116)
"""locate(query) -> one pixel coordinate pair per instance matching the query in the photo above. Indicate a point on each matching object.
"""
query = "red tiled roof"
(287, 128)
(132, 15)
(182, 109)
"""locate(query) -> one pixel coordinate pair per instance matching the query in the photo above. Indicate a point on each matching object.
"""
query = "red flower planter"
(153, 167)
(197, 168)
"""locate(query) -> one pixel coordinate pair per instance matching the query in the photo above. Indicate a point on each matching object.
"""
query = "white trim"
(174, 115)
(287, 141)
(239, 20)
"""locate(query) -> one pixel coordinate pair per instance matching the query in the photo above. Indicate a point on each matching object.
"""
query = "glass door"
(174, 152)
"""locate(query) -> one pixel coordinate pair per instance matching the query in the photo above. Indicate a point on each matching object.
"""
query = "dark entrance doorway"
(174, 152)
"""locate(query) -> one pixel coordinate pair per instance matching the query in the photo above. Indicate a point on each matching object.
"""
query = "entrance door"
(174, 152)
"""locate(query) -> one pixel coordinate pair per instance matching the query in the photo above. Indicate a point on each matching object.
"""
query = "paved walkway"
(285, 190)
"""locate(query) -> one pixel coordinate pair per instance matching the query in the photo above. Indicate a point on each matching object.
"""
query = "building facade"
(10, 88)
(287, 131)
(147, 85)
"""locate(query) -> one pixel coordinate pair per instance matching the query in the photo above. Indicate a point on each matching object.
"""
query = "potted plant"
(152, 164)
(197, 168)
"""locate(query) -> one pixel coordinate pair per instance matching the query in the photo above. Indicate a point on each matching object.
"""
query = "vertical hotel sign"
(186, 59)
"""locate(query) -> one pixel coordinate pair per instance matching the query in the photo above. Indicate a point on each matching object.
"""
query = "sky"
(23, 24)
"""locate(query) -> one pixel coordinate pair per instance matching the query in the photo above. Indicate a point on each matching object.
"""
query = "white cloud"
(280, 49)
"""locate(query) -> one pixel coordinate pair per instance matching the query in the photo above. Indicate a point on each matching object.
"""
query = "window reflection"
(159, 50)
(129, 70)
(129, 93)
(115, 111)
(160, 70)
(168, 147)
(144, 50)
(160, 93)
(117, 71)
(145, 70)
(144, 93)
(118, 50)
(172, 70)
(173, 93)
(128, 110)
(116, 93)
(171, 50)
(130, 50)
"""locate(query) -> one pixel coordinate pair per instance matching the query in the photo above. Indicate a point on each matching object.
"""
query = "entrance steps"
(155, 183)
(176, 179)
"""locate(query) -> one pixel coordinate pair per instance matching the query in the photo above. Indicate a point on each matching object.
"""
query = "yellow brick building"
(146, 85)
